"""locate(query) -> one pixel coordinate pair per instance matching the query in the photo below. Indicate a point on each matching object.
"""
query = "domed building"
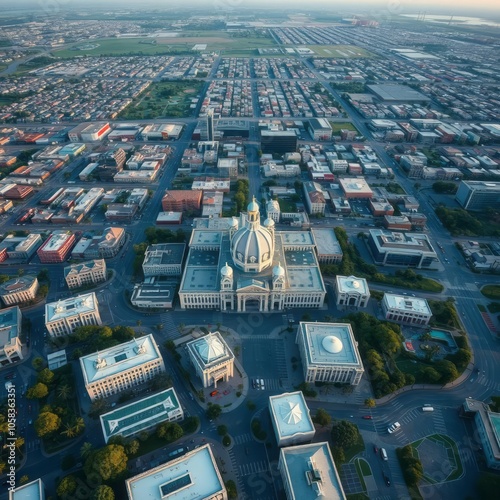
(248, 266)
(329, 353)
(351, 292)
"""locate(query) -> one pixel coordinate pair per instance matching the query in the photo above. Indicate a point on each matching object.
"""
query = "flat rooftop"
(205, 237)
(296, 238)
(395, 92)
(31, 491)
(103, 364)
(164, 254)
(326, 242)
(405, 303)
(330, 343)
(143, 414)
(311, 472)
(194, 475)
(9, 324)
(291, 414)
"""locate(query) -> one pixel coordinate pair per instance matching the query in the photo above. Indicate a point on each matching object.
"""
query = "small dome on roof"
(269, 223)
(226, 270)
(278, 270)
(332, 344)
(253, 206)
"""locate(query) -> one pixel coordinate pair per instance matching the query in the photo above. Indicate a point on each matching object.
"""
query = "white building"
(154, 293)
(329, 353)
(34, 490)
(273, 210)
(404, 309)
(309, 473)
(86, 273)
(192, 476)
(142, 415)
(121, 367)
(328, 247)
(63, 316)
(315, 199)
(249, 266)
(19, 290)
(351, 291)
(211, 358)
(164, 259)
(10, 330)
(21, 247)
(291, 419)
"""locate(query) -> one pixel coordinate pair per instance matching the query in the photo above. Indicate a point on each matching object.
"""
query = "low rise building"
(355, 188)
(19, 290)
(212, 203)
(228, 167)
(181, 200)
(169, 218)
(34, 490)
(57, 247)
(404, 309)
(273, 210)
(402, 249)
(212, 359)
(291, 419)
(154, 293)
(314, 197)
(63, 316)
(164, 259)
(142, 415)
(308, 472)
(10, 331)
(105, 246)
(193, 475)
(21, 247)
(327, 246)
(121, 367)
(86, 273)
(329, 353)
(351, 291)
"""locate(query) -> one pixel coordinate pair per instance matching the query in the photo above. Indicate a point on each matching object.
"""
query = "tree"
(214, 411)
(322, 418)
(221, 430)
(47, 423)
(37, 363)
(170, 431)
(447, 370)
(109, 462)
(38, 391)
(338, 455)
(69, 431)
(79, 425)
(86, 449)
(232, 491)
(344, 434)
(370, 403)
(133, 447)
(63, 391)
(67, 487)
(46, 376)
(103, 492)
(24, 479)
(98, 407)
(19, 443)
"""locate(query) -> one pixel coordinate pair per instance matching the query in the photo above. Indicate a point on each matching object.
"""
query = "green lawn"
(494, 307)
(491, 291)
(338, 126)
(287, 205)
(360, 473)
(355, 449)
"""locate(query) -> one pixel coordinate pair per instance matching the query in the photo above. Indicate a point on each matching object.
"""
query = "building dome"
(278, 270)
(252, 246)
(332, 344)
(269, 223)
(210, 348)
(226, 271)
(355, 284)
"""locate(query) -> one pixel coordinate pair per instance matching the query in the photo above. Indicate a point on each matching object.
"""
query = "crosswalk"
(234, 463)
(243, 438)
(272, 384)
(169, 330)
(252, 468)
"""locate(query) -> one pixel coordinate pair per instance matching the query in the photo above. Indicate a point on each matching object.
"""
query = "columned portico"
(260, 298)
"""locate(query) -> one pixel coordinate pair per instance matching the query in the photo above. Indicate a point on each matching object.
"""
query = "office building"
(355, 188)
(291, 419)
(309, 473)
(328, 247)
(319, 129)
(154, 293)
(278, 141)
(351, 291)
(478, 195)
(142, 415)
(329, 353)
(63, 316)
(121, 367)
(10, 331)
(86, 273)
(212, 359)
(314, 197)
(164, 259)
(405, 309)
(21, 247)
(57, 247)
(193, 475)
(181, 201)
(19, 290)
(402, 249)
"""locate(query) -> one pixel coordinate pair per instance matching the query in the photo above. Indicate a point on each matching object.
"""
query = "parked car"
(386, 479)
(367, 417)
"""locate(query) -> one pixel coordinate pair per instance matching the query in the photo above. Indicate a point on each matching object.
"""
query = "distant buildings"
(402, 249)
(10, 331)
(86, 273)
(278, 141)
(194, 475)
(351, 291)
(19, 290)
(57, 247)
(20, 247)
(329, 353)
(63, 316)
(142, 415)
(478, 195)
(121, 367)
(404, 309)
(308, 472)
(103, 246)
(291, 419)
(212, 359)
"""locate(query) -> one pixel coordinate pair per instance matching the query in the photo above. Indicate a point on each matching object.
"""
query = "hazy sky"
(457, 7)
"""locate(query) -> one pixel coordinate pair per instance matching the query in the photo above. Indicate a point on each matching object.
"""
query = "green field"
(163, 99)
(338, 126)
(491, 291)
(340, 51)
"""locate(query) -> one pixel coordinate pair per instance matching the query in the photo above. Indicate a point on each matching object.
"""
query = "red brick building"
(17, 192)
(181, 200)
(57, 247)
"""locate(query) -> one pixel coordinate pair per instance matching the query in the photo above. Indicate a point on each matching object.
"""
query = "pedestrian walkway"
(252, 468)
(169, 330)
(489, 322)
(243, 438)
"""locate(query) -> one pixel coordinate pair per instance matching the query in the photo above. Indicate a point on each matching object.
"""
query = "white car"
(394, 427)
